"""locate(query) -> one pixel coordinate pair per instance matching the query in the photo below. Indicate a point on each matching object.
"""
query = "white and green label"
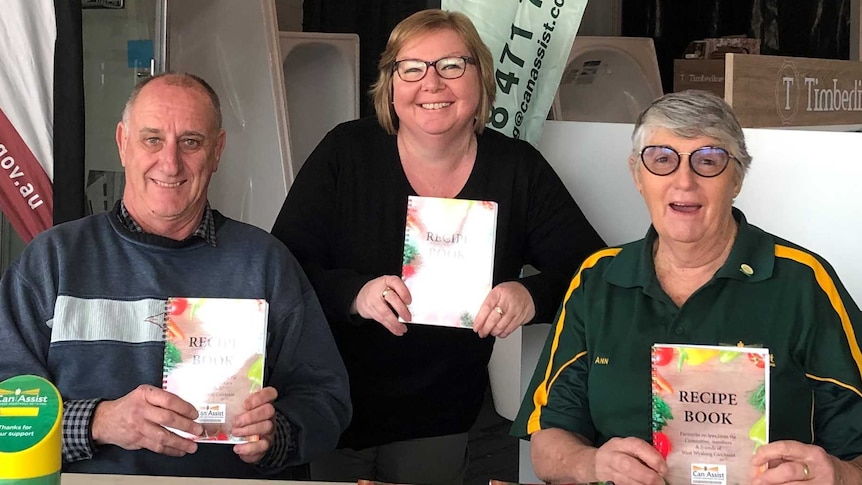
(29, 406)
(530, 42)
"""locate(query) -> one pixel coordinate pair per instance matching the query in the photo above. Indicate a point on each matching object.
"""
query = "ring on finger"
(498, 310)
(385, 292)
(806, 473)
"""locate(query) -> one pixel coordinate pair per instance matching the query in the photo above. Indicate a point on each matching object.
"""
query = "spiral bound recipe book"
(710, 411)
(448, 260)
(214, 358)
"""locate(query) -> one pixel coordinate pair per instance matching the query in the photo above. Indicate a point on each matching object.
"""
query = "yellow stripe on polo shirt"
(540, 397)
(828, 286)
(834, 381)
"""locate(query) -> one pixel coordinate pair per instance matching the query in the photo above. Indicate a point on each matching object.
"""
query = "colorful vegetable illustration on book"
(410, 260)
(758, 430)
(214, 358)
(661, 413)
(448, 258)
(692, 356)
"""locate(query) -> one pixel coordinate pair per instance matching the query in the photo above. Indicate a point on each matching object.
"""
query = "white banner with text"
(27, 41)
(530, 41)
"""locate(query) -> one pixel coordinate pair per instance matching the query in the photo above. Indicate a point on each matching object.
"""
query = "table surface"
(87, 479)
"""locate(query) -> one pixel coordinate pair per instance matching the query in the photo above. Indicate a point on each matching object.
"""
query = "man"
(74, 309)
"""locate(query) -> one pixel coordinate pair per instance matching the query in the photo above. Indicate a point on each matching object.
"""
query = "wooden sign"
(702, 74)
(772, 91)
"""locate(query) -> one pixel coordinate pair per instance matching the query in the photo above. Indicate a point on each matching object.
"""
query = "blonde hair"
(418, 24)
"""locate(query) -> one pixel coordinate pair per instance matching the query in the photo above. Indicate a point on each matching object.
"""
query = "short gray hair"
(183, 79)
(691, 114)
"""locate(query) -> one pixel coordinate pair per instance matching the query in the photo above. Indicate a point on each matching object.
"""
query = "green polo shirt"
(593, 376)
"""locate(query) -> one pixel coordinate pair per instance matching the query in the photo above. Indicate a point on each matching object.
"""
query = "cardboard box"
(716, 48)
(703, 74)
(702, 66)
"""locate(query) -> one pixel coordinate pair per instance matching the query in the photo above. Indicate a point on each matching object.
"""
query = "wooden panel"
(771, 91)
(703, 74)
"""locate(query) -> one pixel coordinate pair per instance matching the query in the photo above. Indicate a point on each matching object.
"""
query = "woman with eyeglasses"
(417, 389)
(702, 275)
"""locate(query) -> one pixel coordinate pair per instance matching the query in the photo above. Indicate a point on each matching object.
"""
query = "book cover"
(710, 411)
(214, 354)
(448, 259)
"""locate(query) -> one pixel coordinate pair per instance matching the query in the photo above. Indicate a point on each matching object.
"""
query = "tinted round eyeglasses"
(412, 70)
(705, 161)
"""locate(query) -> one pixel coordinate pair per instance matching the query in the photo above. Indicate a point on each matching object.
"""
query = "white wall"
(803, 186)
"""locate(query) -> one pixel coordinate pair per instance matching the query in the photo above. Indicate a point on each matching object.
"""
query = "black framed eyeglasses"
(705, 161)
(412, 70)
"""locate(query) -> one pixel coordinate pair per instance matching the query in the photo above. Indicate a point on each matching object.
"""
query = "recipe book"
(710, 411)
(214, 356)
(448, 258)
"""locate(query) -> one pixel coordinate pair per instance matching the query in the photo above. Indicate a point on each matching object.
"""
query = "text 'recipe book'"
(214, 356)
(710, 411)
(448, 259)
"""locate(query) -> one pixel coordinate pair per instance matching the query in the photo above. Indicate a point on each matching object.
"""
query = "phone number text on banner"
(530, 41)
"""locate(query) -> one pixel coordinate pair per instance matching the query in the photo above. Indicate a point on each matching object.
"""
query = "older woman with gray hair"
(702, 275)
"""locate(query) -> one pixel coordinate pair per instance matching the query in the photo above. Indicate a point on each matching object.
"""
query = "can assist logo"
(30, 431)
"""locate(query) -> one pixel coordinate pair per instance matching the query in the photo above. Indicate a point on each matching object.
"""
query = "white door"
(233, 45)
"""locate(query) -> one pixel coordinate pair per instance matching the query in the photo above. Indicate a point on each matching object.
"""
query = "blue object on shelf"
(139, 52)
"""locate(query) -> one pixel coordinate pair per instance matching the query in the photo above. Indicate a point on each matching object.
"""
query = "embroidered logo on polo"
(755, 358)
